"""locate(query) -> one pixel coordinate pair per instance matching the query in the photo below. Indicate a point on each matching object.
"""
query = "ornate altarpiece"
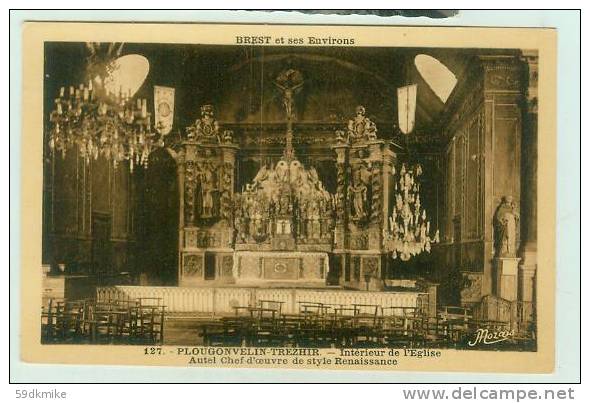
(284, 226)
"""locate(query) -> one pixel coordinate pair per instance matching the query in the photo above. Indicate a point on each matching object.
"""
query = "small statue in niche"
(208, 193)
(358, 193)
(506, 228)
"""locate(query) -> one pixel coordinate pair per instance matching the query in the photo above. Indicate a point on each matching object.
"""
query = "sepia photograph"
(288, 193)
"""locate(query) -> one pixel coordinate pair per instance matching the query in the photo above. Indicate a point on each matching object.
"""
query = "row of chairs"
(138, 321)
(356, 325)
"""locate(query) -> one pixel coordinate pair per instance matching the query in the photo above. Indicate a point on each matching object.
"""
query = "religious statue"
(358, 193)
(260, 177)
(208, 193)
(289, 81)
(506, 228)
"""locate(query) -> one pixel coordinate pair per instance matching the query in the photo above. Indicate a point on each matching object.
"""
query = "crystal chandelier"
(408, 229)
(97, 121)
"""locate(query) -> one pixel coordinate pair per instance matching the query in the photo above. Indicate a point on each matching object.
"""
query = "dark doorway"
(101, 245)
(335, 270)
(157, 251)
(209, 266)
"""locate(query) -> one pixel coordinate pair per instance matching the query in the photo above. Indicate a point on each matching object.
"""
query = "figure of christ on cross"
(289, 82)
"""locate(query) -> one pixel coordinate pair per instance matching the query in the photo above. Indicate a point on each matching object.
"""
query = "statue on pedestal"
(208, 190)
(506, 228)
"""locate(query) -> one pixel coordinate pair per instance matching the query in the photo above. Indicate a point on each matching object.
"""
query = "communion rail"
(222, 300)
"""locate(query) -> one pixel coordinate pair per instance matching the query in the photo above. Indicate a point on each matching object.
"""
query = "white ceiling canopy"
(440, 79)
(127, 74)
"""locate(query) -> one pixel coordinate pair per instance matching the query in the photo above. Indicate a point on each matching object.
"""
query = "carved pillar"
(377, 215)
(341, 196)
(180, 169)
(190, 179)
(528, 265)
(389, 161)
(226, 187)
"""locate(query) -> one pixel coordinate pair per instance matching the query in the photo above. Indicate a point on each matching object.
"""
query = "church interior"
(334, 195)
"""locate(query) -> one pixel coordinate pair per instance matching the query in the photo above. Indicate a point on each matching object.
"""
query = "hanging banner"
(164, 107)
(406, 107)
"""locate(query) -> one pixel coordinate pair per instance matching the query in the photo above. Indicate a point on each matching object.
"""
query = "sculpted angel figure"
(260, 176)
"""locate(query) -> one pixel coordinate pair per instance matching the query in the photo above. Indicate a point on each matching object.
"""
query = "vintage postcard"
(288, 196)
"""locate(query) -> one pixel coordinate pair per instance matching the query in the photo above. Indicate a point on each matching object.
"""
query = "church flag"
(406, 107)
(164, 107)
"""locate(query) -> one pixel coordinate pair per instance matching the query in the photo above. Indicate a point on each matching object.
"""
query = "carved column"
(528, 265)
(341, 197)
(190, 179)
(340, 242)
(180, 161)
(227, 185)
(376, 219)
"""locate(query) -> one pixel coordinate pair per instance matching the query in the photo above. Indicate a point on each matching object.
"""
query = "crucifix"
(289, 82)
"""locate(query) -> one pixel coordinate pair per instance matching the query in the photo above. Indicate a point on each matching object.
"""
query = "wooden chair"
(367, 325)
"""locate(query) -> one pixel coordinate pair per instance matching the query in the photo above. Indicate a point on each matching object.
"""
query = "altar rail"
(223, 299)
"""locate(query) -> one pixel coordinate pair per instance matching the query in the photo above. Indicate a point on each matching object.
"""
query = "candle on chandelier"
(71, 90)
(144, 108)
(62, 92)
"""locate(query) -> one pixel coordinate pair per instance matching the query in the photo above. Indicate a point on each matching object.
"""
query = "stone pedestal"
(506, 277)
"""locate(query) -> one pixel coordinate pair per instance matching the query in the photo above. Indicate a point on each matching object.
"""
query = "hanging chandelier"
(114, 126)
(98, 120)
(408, 230)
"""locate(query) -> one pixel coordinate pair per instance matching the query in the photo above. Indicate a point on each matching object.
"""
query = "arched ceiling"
(238, 80)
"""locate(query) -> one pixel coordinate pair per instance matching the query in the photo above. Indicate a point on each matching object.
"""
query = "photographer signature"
(487, 337)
